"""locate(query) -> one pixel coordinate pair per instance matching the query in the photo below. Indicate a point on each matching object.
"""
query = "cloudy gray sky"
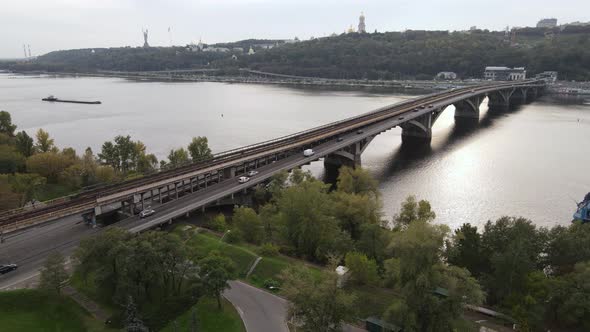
(49, 25)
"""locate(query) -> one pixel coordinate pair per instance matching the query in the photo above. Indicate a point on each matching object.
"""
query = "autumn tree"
(249, 224)
(44, 142)
(6, 126)
(177, 157)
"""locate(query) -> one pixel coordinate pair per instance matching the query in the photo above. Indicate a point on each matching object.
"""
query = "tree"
(354, 210)
(53, 275)
(249, 224)
(177, 157)
(567, 247)
(413, 211)
(24, 144)
(11, 161)
(305, 210)
(215, 272)
(374, 241)
(6, 126)
(357, 181)
(465, 250)
(570, 298)
(44, 143)
(512, 248)
(125, 155)
(199, 149)
(317, 303)
(218, 223)
(48, 164)
(27, 185)
(362, 270)
(432, 293)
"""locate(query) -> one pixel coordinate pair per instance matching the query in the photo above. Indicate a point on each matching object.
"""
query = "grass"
(33, 310)
(51, 191)
(203, 243)
(209, 318)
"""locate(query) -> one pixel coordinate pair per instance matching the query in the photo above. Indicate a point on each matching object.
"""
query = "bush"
(233, 236)
(363, 270)
(268, 250)
(218, 223)
(288, 251)
(271, 284)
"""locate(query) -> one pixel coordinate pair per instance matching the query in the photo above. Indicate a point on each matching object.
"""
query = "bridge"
(194, 186)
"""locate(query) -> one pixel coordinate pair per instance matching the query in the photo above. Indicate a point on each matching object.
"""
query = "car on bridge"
(243, 179)
(252, 173)
(7, 268)
(147, 212)
(360, 131)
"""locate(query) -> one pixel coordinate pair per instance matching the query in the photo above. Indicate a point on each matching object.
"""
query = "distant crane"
(25, 49)
(29, 46)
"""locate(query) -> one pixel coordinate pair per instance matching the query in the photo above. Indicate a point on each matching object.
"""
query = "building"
(216, 49)
(446, 75)
(505, 74)
(547, 23)
(251, 51)
(547, 76)
(362, 23)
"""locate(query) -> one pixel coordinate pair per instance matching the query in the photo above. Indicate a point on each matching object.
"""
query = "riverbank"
(270, 79)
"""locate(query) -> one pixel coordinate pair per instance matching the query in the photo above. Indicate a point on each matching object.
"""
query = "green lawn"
(209, 318)
(33, 310)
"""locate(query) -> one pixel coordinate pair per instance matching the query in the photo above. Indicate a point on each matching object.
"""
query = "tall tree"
(357, 181)
(11, 161)
(215, 272)
(53, 275)
(413, 211)
(6, 126)
(199, 149)
(317, 303)
(177, 157)
(48, 164)
(362, 269)
(465, 250)
(24, 144)
(249, 224)
(44, 142)
(133, 322)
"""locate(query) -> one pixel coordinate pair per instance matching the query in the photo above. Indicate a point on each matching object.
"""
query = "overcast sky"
(49, 25)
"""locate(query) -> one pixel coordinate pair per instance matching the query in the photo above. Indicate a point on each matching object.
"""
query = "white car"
(243, 179)
(252, 173)
(147, 212)
(308, 153)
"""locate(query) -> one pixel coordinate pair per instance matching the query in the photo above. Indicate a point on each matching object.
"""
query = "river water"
(533, 161)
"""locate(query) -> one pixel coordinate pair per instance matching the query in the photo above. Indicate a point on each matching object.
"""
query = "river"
(533, 161)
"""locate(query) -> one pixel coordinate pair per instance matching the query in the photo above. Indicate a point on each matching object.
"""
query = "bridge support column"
(229, 173)
(419, 130)
(468, 108)
(349, 156)
(160, 194)
(519, 96)
(176, 189)
(500, 100)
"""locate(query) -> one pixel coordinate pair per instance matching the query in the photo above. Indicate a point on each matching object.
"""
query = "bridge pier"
(500, 100)
(468, 108)
(348, 156)
(519, 96)
(419, 130)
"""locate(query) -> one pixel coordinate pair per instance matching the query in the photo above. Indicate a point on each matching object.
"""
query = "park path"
(92, 307)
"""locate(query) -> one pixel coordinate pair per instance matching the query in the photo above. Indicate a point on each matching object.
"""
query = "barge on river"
(57, 100)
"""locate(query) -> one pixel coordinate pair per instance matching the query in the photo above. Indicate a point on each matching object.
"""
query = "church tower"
(362, 23)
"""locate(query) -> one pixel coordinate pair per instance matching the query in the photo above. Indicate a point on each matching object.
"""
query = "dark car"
(360, 131)
(7, 268)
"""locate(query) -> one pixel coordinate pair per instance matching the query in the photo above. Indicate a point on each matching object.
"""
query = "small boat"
(52, 98)
(583, 212)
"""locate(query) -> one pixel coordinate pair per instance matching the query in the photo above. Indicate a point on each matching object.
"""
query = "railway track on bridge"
(87, 200)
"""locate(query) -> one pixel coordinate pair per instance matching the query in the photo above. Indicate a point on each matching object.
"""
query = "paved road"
(29, 248)
(262, 311)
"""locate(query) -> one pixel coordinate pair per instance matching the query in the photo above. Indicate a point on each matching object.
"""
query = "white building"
(251, 51)
(505, 73)
(446, 75)
(216, 49)
(547, 23)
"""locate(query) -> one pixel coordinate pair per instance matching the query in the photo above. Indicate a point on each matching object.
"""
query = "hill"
(390, 55)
